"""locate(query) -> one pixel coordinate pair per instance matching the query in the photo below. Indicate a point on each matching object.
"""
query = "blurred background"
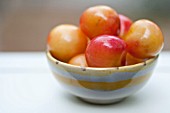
(24, 24)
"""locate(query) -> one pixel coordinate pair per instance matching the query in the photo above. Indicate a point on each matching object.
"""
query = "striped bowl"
(102, 85)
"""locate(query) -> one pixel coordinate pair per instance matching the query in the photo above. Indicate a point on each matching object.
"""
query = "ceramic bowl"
(102, 85)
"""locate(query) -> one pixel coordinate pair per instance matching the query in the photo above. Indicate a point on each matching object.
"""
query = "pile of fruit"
(105, 38)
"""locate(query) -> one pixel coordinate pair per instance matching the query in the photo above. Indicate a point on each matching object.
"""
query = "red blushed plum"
(125, 24)
(99, 20)
(105, 51)
(144, 39)
(66, 41)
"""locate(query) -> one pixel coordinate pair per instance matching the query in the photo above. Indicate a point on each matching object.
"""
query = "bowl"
(102, 85)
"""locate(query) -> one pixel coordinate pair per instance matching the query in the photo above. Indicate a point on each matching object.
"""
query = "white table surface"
(27, 86)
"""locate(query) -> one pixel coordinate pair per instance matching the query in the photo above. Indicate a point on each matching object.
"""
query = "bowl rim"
(142, 64)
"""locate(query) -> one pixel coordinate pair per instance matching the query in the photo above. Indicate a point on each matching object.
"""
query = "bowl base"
(96, 101)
